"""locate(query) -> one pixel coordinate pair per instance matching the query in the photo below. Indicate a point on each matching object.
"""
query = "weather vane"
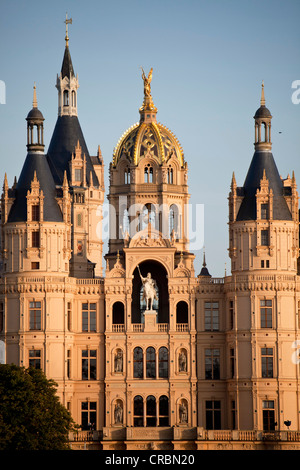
(67, 21)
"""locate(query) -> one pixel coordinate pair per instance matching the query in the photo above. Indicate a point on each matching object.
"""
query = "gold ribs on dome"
(148, 138)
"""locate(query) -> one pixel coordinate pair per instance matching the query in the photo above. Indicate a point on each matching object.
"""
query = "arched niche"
(118, 313)
(159, 274)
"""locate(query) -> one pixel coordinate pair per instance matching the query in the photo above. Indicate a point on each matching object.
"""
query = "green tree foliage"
(31, 415)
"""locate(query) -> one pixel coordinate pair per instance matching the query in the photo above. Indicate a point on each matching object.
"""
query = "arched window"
(163, 411)
(138, 363)
(163, 365)
(170, 175)
(174, 221)
(118, 313)
(182, 312)
(148, 174)
(66, 98)
(138, 411)
(125, 222)
(151, 411)
(73, 98)
(148, 216)
(150, 363)
(127, 176)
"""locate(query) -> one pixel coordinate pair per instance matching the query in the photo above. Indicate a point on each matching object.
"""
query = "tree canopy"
(31, 415)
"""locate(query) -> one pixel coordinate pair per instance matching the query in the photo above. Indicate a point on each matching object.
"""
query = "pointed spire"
(34, 101)
(5, 183)
(204, 271)
(262, 100)
(204, 262)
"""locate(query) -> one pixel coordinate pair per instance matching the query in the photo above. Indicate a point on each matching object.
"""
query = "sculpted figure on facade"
(119, 361)
(182, 361)
(183, 412)
(149, 292)
(118, 414)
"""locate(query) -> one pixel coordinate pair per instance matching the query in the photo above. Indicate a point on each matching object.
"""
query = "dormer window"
(35, 213)
(264, 210)
(78, 175)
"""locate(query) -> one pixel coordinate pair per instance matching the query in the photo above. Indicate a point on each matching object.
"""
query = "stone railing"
(118, 328)
(182, 433)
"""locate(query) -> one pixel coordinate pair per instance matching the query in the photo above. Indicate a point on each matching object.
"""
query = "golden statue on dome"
(148, 102)
(147, 81)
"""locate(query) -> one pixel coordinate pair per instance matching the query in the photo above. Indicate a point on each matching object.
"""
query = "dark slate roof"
(65, 136)
(262, 112)
(263, 160)
(35, 162)
(35, 113)
(67, 66)
(204, 271)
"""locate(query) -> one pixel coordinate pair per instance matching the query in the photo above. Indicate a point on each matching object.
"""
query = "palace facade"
(214, 362)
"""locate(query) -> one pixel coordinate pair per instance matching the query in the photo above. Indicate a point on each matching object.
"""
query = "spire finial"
(262, 100)
(34, 101)
(67, 21)
(204, 262)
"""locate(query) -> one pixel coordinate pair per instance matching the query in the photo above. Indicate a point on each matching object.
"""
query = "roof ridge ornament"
(34, 101)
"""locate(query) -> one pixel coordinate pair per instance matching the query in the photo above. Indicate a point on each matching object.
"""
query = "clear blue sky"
(209, 59)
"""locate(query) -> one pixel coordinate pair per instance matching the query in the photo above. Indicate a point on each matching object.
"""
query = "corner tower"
(263, 207)
(260, 293)
(72, 165)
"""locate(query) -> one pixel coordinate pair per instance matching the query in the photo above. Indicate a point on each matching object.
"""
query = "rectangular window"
(89, 317)
(35, 213)
(1, 316)
(35, 239)
(268, 415)
(211, 316)
(212, 364)
(267, 362)
(213, 414)
(89, 364)
(69, 363)
(233, 414)
(78, 174)
(69, 316)
(88, 415)
(232, 363)
(35, 358)
(35, 315)
(266, 313)
(35, 265)
(264, 210)
(231, 312)
(264, 234)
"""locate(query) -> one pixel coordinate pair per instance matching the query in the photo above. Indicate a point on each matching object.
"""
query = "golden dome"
(148, 137)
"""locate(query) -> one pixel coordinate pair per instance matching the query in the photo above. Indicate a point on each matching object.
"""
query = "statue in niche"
(119, 361)
(182, 361)
(183, 415)
(149, 292)
(118, 413)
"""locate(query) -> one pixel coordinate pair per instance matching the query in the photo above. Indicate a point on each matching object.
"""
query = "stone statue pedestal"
(150, 322)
